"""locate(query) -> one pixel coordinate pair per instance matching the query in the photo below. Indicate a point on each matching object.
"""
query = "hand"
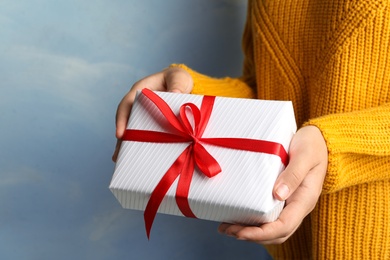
(172, 79)
(300, 184)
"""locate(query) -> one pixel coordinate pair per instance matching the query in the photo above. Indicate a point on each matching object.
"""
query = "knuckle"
(295, 177)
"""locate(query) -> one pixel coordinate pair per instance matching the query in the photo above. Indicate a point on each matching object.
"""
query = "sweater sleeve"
(227, 86)
(359, 146)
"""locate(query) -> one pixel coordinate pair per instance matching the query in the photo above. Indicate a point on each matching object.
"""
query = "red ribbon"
(194, 154)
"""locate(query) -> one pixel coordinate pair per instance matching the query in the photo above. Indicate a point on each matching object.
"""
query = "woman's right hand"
(173, 79)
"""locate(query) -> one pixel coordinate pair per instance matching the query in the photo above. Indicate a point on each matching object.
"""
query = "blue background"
(64, 66)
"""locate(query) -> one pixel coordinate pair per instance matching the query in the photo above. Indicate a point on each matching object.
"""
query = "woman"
(332, 59)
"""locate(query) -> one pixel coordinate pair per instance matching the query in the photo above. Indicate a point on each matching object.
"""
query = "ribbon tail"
(183, 186)
(161, 189)
(205, 161)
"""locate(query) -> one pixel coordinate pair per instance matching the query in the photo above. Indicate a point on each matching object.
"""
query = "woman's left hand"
(300, 185)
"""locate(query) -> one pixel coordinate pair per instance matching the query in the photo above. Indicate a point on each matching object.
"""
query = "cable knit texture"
(332, 59)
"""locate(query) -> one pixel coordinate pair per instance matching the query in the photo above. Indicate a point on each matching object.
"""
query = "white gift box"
(241, 192)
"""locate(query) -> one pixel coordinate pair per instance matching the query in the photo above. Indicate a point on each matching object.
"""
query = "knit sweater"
(332, 59)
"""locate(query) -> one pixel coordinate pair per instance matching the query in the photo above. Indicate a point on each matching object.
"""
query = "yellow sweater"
(332, 59)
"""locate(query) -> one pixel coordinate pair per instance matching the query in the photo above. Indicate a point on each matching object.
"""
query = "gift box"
(212, 158)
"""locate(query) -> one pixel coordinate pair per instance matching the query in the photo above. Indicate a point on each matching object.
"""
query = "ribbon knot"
(203, 159)
(194, 154)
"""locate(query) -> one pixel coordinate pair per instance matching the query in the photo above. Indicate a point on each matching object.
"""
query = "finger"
(123, 113)
(300, 164)
(222, 228)
(252, 234)
(290, 179)
(116, 151)
(269, 233)
(307, 151)
(154, 82)
(178, 80)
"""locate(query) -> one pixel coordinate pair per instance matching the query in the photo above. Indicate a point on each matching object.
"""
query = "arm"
(359, 146)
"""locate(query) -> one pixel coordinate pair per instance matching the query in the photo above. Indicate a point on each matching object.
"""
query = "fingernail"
(282, 191)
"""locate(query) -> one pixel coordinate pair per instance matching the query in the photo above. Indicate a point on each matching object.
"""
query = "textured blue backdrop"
(64, 66)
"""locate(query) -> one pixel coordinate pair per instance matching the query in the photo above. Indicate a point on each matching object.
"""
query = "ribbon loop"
(192, 129)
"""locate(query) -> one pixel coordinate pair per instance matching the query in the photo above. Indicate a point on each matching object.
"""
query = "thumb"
(307, 151)
(290, 179)
(178, 80)
(296, 170)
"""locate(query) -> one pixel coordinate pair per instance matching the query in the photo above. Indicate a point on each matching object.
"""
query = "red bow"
(194, 154)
